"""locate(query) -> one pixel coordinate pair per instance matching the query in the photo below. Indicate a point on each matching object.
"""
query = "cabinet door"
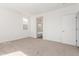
(69, 29)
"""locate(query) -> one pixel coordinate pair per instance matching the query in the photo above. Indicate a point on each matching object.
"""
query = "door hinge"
(76, 17)
(76, 29)
(76, 40)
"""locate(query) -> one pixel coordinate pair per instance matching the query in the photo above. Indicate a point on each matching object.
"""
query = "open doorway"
(39, 27)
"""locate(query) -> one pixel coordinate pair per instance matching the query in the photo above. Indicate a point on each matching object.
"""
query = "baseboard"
(13, 39)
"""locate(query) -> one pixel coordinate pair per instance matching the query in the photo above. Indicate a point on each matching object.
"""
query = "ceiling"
(34, 8)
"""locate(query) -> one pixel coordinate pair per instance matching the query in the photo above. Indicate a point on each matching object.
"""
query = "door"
(77, 23)
(39, 25)
(69, 29)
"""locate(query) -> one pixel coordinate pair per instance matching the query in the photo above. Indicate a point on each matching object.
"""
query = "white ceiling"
(34, 8)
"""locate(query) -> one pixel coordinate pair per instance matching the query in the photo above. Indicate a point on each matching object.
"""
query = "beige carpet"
(38, 47)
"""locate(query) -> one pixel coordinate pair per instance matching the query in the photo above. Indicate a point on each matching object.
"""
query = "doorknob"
(63, 31)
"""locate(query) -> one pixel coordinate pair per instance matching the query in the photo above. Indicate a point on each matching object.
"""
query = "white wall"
(11, 25)
(53, 24)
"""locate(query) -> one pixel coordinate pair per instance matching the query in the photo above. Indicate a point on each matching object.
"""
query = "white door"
(78, 30)
(69, 29)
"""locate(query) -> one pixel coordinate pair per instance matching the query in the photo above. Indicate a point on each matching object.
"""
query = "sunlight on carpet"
(17, 53)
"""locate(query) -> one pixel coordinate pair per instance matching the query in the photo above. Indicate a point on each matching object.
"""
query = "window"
(25, 23)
